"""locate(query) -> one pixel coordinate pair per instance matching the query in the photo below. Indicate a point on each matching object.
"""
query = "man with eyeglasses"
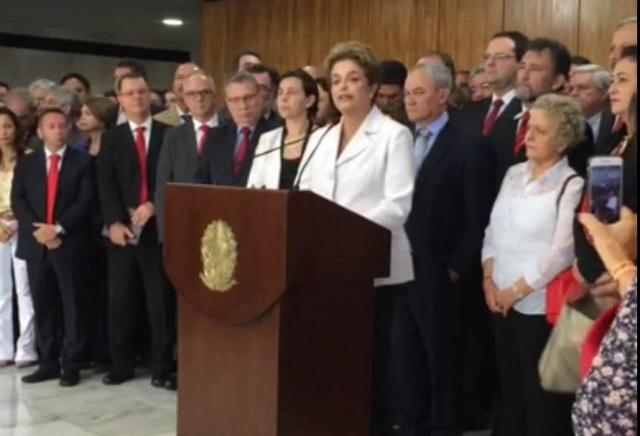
(127, 168)
(185, 144)
(228, 152)
(178, 114)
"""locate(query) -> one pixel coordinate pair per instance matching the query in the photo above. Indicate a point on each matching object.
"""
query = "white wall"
(19, 67)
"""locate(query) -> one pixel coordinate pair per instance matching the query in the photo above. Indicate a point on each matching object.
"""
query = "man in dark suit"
(52, 197)
(544, 70)
(267, 79)
(229, 150)
(589, 85)
(452, 203)
(127, 168)
(184, 144)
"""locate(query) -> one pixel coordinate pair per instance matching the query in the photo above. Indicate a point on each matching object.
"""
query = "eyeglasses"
(247, 99)
(264, 89)
(498, 57)
(202, 94)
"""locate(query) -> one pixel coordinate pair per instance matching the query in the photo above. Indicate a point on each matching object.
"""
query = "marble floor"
(91, 409)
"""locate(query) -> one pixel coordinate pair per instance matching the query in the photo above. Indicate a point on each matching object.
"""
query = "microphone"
(296, 187)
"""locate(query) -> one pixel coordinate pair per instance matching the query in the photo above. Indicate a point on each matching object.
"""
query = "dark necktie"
(52, 186)
(522, 134)
(242, 150)
(141, 149)
(493, 117)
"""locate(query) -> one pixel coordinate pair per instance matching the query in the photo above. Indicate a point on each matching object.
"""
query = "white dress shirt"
(506, 99)
(374, 177)
(529, 236)
(197, 125)
(60, 153)
(595, 122)
(147, 131)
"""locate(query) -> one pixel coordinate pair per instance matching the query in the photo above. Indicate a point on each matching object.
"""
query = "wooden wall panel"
(481, 18)
(598, 20)
(550, 18)
(292, 33)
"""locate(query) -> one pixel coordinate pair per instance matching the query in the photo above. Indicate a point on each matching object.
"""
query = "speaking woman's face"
(350, 88)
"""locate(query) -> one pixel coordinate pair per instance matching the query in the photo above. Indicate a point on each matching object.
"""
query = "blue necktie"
(422, 147)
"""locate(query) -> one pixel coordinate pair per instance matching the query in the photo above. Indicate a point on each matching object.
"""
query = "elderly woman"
(480, 88)
(528, 243)
(365, 164)
(608, 401)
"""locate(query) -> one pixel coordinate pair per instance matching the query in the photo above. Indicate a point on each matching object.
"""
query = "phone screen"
(605, 192)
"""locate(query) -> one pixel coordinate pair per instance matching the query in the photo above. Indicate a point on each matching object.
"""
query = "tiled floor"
(135, 409)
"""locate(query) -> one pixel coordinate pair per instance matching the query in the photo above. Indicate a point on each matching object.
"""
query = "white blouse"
(531, 236)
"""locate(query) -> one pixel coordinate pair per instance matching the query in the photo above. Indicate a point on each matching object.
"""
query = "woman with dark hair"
(590, 269)
(327, 112)
(280, 151)
(79, 84)
(94, 121)
(25, 352)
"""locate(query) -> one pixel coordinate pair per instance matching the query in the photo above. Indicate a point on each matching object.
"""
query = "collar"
(525, 110)
(251, 129)
(213, 122)
(507, 98)
(597, 118)
(147, 124)
(436, 126)
(60, 152)
(181, 113)
(553, 176)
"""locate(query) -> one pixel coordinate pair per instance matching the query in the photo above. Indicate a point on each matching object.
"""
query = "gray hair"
(440, 73)
(601, 78)
(628, 22)
(207, 78)
(571, 120)
(66, 97)
(22, 94)
(42, 83)
(480, 69)
(241, 77)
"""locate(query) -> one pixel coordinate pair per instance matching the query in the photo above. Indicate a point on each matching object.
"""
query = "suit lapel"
(190, 140)
(364, 138)
(437, 153)
(41, 185)
(64, 178)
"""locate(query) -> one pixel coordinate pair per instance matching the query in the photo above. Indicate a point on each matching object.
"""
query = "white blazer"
(265, 172)
(373, 177)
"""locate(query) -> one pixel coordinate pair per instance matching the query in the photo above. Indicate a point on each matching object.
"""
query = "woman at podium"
(365, 164)
(280, 151)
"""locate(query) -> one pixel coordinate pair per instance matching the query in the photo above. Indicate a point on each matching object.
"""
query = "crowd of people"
(480, 176)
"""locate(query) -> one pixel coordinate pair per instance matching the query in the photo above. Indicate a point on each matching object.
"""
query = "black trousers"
(99, 292)
(525, 409)
(427, 354)
(58, 287)
(385, 301)
(125, 266)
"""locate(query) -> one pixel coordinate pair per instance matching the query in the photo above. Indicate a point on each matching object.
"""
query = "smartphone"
(606, 188)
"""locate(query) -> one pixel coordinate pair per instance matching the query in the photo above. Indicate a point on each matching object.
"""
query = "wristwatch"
(59, 230)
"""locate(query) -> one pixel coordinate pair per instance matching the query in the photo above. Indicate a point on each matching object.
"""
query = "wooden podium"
(287, 350)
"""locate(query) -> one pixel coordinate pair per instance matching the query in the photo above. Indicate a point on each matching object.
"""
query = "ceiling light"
(173, 22)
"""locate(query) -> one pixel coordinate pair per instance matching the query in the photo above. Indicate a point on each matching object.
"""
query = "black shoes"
(41, 376)
(172, 383)
(160, 381)
(115, 378)
(69, 379)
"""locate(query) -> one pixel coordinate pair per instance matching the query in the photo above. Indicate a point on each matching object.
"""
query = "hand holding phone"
(606, 188)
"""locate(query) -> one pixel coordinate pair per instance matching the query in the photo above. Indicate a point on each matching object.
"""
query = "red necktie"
(493, 117)
(619, 125)
(242, 150)
(141, 148)
(204, 131)
(522, 133)
(52, 186)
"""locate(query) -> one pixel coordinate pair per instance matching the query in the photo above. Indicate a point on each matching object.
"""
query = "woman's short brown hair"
(362, 54)
(102, 108)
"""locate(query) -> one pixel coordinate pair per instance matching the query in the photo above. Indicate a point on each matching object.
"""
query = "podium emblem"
(219, 253)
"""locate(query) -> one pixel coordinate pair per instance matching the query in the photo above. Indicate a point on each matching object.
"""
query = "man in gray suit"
(183, 145)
